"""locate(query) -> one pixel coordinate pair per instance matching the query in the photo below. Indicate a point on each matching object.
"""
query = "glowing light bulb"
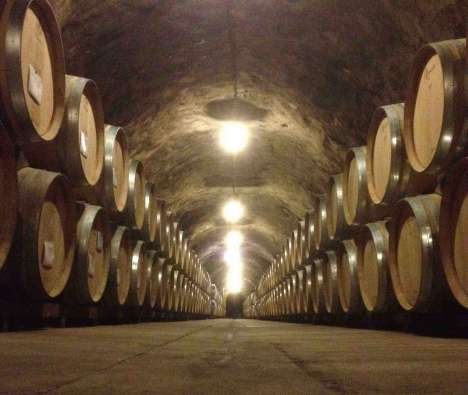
(233, 137)
(233, 211)
(234, 239)
(233, 258)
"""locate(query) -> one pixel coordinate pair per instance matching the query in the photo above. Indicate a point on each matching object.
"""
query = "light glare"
(234, 281)
(233, 211)
(233, 137)
(234, 239)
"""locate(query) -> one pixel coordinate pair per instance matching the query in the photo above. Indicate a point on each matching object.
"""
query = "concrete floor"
(229, 357)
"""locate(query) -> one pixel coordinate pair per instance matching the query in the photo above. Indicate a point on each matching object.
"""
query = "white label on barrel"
(91, 265)
(34, 85)
(84, 144)
(99, 241)
(48, 255)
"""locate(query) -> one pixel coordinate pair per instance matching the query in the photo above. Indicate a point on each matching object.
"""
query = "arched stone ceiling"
(314, 70)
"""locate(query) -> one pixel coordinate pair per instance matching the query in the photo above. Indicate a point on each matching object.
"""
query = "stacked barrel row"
(79, 222)
(391, 233)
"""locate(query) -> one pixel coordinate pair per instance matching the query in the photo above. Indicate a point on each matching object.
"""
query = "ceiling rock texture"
(308, 75)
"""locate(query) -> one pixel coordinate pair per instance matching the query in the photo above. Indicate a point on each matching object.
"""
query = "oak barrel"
(93, 255)
(435, 115)
(47, 215)
(152, 289)
(151, 211)
(330, 282)
(32, 70)
(417, 274)
(115, 172)
(348, 281)
(8, 193)
(454, 231)
(139, 275)
(318, 296)
(336, 223)
(121, 249)
(356, 196)
(135, 206)
(322, 239)
(373, 268)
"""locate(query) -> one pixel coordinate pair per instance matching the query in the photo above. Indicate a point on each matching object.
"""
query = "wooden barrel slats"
(78, 150)
(152, 288)
(8, 193)
(389, 174)
(32, 70)
(150, 212)
(93, 256)
(330, 283)
(416, 269)
(318, 296)
(348, 282)
(356, 197)
(335, 218)
(115, 171)
(373, 268)
(47, 217)
(139, 275)
(118, 284)
(434, 133)
(454, 231)
(135, 206)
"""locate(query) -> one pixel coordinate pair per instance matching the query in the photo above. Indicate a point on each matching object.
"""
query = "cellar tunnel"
(309, 75)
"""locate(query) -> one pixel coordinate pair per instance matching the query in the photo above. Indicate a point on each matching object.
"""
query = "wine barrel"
(118, 285)
(135, 206)
(139, 275)
(335, 217)
(150, 221)
(32, 70)
(308, 298)
(454, 231)
(435, 113)
(318, 296)
(389, 174)
(160, 239)
(356, 196)
(301, 306)
(330, 283)
(173, 298)
(153, 279)
(78, 150)
(9, 194)
(417, 273)
(373, 268)
(93, 255)
(348, 281)
(115, 172)
(322, 239)
(165, 290)
(47, 215)
(157, 280)
(305, 223)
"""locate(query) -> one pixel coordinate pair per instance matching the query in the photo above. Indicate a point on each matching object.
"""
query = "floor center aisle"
(229, 357)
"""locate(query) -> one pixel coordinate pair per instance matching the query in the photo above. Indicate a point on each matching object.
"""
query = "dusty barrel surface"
(389, 174)
(32, 70)
(150, 221)
(93, 255)
(336, 223)
(330, 282)
(135, 206)
(356, 196)
(165, 280)
(139, 275)
(47, 215)
(115, 172)
(373, 268)
(322, 238)
(348, 281)
(454, 231)
(8, 193)
(417, 275)
(160, 239)
(121, 249)
(434, 113)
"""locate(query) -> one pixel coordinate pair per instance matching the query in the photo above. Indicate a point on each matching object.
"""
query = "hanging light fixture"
(233, 211)
(233, 137)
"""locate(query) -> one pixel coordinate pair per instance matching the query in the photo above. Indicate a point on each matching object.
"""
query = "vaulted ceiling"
(308, 75)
